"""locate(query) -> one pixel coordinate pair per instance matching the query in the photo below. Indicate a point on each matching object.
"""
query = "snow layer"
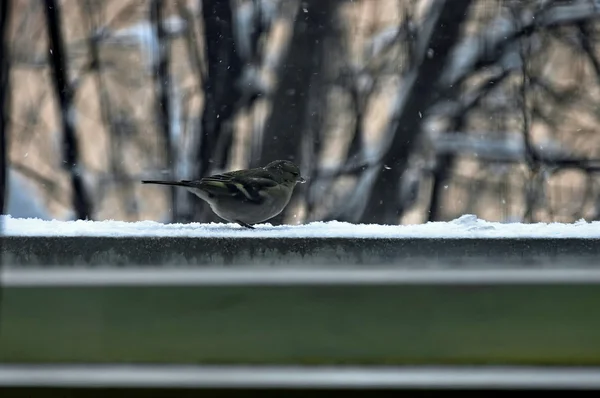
(467, 226)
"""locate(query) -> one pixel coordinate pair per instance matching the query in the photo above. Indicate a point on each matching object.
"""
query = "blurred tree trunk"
(162, 89)
(290, 106)
(221, 92)
(422, 89)
(4, 100)
(64, 93)
(294, 127)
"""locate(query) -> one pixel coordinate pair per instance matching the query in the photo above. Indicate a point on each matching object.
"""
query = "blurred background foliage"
(397, 111)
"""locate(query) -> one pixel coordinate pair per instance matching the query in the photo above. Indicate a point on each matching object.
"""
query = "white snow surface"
(467, 226)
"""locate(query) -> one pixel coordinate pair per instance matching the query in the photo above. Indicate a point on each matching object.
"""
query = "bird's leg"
(243, 224)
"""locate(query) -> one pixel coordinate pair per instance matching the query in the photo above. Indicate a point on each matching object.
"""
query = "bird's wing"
(245, 185)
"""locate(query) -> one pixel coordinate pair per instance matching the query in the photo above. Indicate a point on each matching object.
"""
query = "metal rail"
(272, 276)
(175, 376)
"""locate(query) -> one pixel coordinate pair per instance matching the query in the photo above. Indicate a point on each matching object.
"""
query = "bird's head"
(289, 172)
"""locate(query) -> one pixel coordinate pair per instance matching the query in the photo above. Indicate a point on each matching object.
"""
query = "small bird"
(246, 197)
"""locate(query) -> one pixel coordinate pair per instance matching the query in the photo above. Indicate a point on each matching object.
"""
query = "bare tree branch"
(511, 149)
(435, 42)
(501, 34)
(64, 92)
(585, 32)
(162, 88)
(444, 163)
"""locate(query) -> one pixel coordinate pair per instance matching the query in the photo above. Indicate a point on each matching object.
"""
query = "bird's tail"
(182, 183)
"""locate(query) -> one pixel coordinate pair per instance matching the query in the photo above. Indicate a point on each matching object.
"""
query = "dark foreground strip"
(92, 251)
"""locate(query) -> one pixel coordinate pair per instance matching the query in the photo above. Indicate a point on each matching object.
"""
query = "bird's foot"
(243, 224)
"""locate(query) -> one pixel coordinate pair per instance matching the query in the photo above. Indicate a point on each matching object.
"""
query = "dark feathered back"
(283, 165)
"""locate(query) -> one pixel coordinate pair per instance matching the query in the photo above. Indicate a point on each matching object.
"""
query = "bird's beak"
(301, 180)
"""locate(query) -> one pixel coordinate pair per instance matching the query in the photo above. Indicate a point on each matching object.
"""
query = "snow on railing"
(467, 226)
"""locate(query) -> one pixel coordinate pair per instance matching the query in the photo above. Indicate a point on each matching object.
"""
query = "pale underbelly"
(247, 213)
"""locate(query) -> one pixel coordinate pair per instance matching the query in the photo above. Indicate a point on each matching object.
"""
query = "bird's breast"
(248, 212)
